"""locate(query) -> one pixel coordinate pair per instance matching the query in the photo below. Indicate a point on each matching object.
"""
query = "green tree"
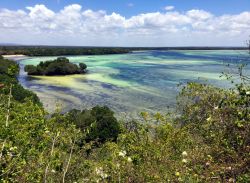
(106, 126)
(83, 66)
(30, 69)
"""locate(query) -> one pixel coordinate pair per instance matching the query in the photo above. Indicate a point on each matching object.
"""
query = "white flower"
(184, 153)
(10, 154)
(122, 153)
(104, 176)
(129, 159)
(216, 107)
(248, 93)
(100, 172)
(184, 161)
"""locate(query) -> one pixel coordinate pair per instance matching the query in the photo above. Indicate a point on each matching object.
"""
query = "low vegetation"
(59, 66)
(205, 140)
(8, 78)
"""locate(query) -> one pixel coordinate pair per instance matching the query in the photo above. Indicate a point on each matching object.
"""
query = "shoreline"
(15, 57)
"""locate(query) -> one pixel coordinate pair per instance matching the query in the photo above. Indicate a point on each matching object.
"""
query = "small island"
(59, 66)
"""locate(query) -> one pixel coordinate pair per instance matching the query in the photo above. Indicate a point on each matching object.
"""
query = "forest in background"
(77, 50)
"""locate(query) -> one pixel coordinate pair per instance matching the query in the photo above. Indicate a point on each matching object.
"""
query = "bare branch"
(8, 108)
(68, 163)
(51, 153)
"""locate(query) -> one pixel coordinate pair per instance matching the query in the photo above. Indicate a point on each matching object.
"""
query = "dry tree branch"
(68, 163)
(51, 153)
(7, 119)
(8, 108)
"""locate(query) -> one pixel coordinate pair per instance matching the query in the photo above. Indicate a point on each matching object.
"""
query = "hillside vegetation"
(206, 140)
(59, 66)
(8, 77)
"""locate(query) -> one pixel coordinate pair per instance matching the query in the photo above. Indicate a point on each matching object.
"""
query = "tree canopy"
(59, 66)
(9, 71)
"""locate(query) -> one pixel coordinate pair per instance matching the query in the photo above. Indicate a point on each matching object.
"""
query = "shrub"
(99, 121)
(8, 77)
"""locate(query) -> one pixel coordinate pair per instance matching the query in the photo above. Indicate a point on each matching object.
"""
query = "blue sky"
(125, 22)
(217, 7)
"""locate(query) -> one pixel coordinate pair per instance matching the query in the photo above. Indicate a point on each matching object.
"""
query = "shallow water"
(130, 83)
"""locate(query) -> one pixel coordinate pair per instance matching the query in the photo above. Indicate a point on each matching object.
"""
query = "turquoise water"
(130, 83)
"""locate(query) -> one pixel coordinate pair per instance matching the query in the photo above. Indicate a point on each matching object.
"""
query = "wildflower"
(184, 161)
(177, 174)
(209, 119)
(184, 153)
(129, 159)
(209, 157)
(122, 153)
(216, 107)
(248, 93)
(100, 172)
(104, 176)
(10, 154)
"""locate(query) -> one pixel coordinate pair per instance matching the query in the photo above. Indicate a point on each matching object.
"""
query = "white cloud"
(169, 8)
(199, 14)
(40, 12)
(74, 26)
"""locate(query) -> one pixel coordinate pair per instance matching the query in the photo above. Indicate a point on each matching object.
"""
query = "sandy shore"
(15, 57)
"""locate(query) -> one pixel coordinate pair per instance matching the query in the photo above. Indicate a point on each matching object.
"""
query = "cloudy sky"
(125, 23)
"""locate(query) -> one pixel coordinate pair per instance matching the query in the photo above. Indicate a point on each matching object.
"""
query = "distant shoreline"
(15, 57)
(22, 51)
(7, 56)
(128, 50)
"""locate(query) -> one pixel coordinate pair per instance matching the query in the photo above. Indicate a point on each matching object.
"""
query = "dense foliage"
(104, 125)
(208, 141)
(59, 66)
(59, 50)
(9, 71)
